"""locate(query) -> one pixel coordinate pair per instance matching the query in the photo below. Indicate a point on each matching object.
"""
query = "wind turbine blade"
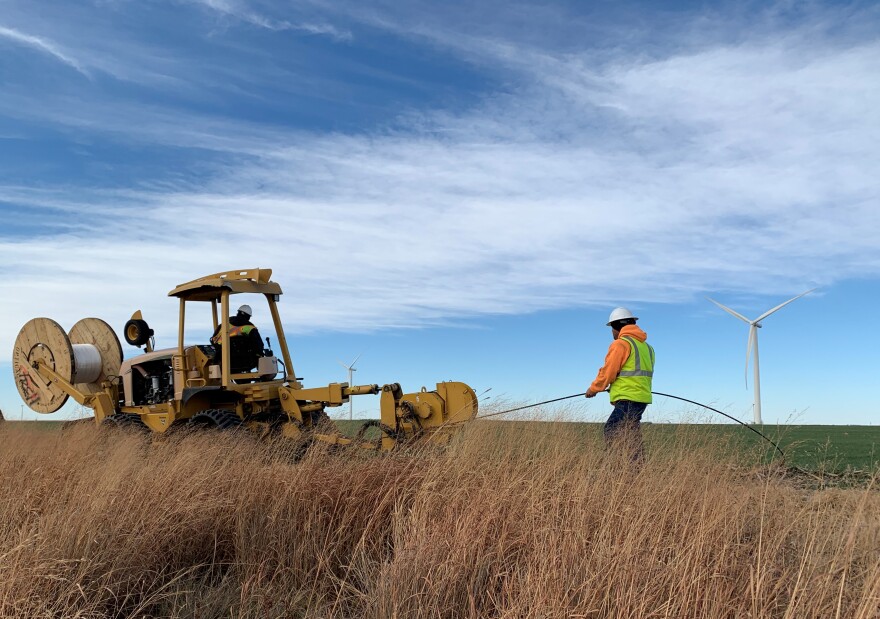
(356, 359)
(343, 365)
(753, 333)
(730, 311)
(781, 305)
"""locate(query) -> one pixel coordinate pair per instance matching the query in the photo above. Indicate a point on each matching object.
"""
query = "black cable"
(745, 425)
(665, 395)
(512, 410)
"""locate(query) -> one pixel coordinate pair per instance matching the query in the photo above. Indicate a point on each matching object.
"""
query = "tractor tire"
(125, 421)
(217, 418)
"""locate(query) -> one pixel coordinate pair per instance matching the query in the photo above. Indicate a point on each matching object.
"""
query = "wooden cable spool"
(97, 333)
(91, 355)
(42, 340)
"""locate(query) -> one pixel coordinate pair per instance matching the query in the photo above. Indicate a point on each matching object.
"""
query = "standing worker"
(628, 369)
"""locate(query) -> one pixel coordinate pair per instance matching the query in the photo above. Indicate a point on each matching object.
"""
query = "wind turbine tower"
(351, 370)
(754, 325)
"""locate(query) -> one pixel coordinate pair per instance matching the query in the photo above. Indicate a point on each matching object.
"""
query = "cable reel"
(87, 357)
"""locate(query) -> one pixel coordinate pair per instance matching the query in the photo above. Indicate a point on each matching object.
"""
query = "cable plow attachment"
(424, 416)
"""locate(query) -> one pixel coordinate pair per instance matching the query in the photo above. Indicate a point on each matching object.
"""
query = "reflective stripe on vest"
(244, 330)
(633, 382)
(233, 332)
(638, 361)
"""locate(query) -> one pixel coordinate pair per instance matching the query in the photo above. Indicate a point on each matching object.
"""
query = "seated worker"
(245, 343)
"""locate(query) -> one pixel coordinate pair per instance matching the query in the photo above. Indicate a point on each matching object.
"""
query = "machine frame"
(261, 400)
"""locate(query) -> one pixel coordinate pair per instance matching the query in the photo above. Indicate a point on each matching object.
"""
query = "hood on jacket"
(633, 331)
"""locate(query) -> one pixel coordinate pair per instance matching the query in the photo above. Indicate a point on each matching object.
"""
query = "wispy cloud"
(242, 11)
(42, 45)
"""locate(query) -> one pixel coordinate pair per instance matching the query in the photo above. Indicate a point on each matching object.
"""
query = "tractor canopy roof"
(210, 287)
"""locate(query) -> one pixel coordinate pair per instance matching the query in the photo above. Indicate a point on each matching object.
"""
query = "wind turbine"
(754, 325)
(351, 370)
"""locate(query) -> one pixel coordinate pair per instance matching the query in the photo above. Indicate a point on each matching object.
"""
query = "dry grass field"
(506, 522)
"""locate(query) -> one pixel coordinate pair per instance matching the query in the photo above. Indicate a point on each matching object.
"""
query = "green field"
(833, 449)
(829, 449)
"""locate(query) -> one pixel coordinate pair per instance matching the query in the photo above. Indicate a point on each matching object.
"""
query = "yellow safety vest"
(634, 380)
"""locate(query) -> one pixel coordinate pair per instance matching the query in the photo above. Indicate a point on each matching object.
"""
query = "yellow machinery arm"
(100, 401)
(426, 415)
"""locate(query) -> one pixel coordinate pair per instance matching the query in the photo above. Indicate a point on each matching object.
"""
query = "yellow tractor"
(220, 383)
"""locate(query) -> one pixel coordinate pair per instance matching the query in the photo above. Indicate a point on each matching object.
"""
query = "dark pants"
(624, 426)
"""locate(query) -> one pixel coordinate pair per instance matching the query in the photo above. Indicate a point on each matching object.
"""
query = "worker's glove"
(590, 393)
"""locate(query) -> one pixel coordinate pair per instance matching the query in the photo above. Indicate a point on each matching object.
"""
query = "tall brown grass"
(511, 520)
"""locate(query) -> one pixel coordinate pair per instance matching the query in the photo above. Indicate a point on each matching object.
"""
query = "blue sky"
(460, 190)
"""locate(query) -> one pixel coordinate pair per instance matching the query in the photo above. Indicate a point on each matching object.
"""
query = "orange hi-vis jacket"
(618, 353)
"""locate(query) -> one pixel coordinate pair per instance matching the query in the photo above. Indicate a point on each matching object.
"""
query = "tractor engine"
(151, 382)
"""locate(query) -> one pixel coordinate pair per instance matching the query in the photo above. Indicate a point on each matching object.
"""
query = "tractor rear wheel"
(218, 418)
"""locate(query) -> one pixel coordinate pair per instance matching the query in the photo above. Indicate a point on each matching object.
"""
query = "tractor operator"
(628, 370)
(245, 343)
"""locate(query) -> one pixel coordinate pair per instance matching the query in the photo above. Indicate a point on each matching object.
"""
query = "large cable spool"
(89, 356)
(42, 340)
(94, 336)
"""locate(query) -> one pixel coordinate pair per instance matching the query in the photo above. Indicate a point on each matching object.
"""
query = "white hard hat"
(619, 313)
(246, 309)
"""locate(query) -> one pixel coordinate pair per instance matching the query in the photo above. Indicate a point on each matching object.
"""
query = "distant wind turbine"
(351, 370)
(754, 325)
